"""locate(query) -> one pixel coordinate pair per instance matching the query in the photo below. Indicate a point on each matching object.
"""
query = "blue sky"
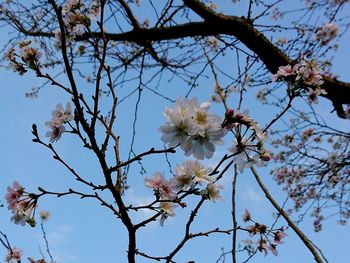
(83, 231)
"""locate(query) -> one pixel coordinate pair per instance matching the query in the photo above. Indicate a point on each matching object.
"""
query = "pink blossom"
(308, 73)
(162, 186)
(13, 194)
(23, 211)
(327, 33)
(61, 116)
(283, 71)
(273, 249)
(14, 255)
(278, 236)
(263, 247)
(246, 215)
(56, 132)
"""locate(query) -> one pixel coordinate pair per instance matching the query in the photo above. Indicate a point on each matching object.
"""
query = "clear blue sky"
(83, 231)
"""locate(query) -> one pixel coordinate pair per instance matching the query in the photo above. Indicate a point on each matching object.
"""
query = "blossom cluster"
(303, 73)
(323, 176)
(21, 204)
(14, 255)
(29, 57)
(193, 128)
(60, 116)
(189, 176)
(327, 33)
(268, 238)
(247, 151)
(77, 15)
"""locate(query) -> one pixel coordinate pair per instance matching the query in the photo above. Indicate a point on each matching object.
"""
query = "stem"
(296, 229)
(233, 212)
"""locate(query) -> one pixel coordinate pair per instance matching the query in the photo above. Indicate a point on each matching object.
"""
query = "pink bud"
(229, 113)
(266, 157)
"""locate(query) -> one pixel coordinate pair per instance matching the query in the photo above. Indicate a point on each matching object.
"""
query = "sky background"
(83, 231)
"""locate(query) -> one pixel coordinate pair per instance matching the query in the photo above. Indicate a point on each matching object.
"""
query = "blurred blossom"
(327, 33)
(14, 255)
(212, 192)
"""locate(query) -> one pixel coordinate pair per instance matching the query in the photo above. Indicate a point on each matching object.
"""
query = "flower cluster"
(246, 150)
(327, 33)
(14, 255)
(303, 73)
(21, 204)
(193, 128)
(268, 238)
(188, 177)
(77, 16)
(29, 58)
(59, 118)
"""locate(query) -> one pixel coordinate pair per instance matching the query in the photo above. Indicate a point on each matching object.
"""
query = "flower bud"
(266, 157)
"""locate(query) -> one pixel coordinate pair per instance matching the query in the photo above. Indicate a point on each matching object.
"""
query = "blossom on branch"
(191, 172)
(212, 192)
(14, 255)
(327, 33)
(192, 127)
(21, 204)
(161, 186)
(60, 116)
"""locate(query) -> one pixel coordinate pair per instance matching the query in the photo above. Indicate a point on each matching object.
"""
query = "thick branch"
(218, 24)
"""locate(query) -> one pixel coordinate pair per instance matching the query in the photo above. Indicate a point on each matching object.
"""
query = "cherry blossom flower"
(176, 132)
(162, 186)
(204, 146)
(278, 236)
(246, 215)
(212, 192)
(22, 213)
(283, 71)
(272, 248)
(94, 10)
(44, 215)
(327, 33)
(14, 255)
(13, 194)
(262, 246)
(168, 208)
(314, 93)
(305, 71)
(55, 133)
(307, 134)
(21, 204)
(59, 117)
(193, 127)
(190, 172)
(308, 73)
